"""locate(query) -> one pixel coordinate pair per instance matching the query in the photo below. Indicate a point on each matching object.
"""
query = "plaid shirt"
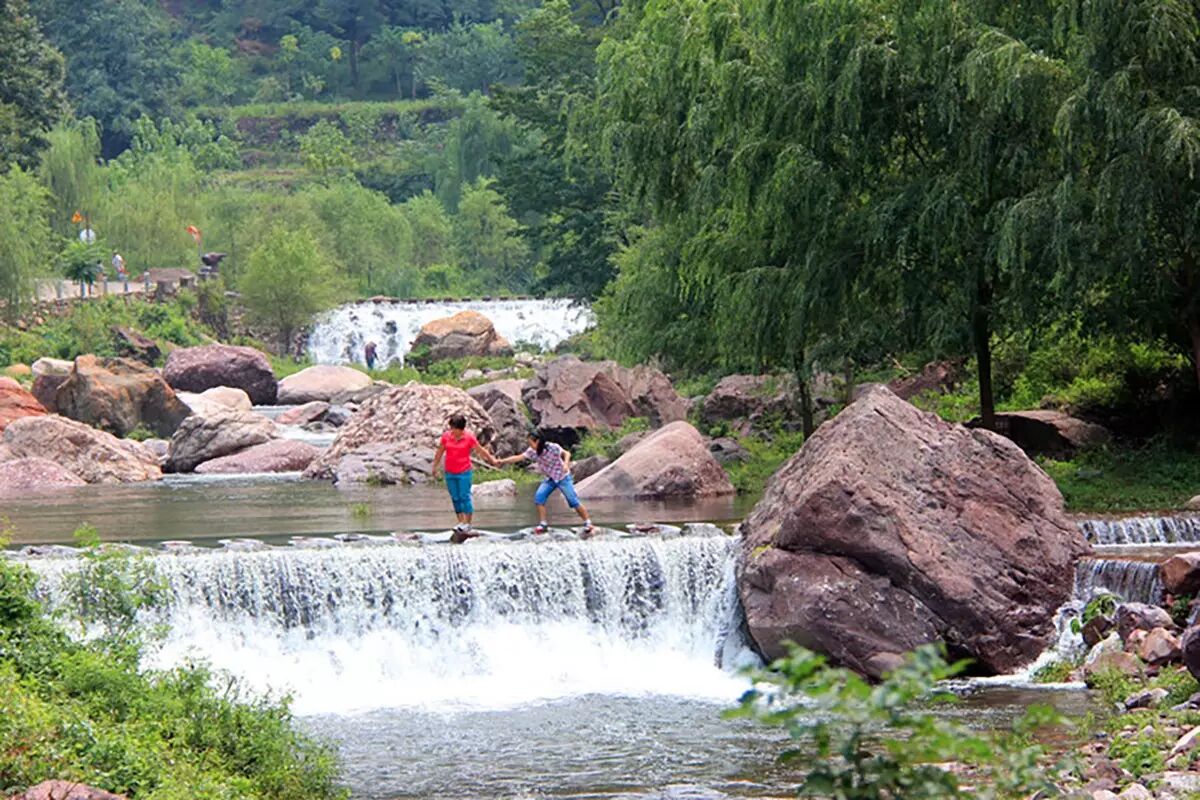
(550, 462)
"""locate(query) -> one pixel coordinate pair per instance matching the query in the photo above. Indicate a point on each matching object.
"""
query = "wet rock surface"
(196, 369)
(93, 455)
(119, 395)
(222, 433)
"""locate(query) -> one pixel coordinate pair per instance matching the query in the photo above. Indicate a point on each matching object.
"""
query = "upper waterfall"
(339, 336)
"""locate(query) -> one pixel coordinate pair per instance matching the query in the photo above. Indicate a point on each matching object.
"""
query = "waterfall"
(1141, 530)
(1132, 581)
(340, 335)
(485, 625)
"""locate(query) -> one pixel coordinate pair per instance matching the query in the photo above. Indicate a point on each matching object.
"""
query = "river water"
(550, 668)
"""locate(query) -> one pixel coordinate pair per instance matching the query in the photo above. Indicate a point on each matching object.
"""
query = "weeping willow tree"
(838, 168)
(1124, 221)
(71, 171)
(26, 242)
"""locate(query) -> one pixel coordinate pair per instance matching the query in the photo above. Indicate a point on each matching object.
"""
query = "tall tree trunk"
(1188, 281)
(981, 333)
(1193, 323)
(806, 407)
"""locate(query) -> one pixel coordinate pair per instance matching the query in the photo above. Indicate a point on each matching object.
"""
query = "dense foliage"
(88, 712)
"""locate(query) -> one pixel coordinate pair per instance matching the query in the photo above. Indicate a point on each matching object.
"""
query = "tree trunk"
(981, 332)
(806, 407)
(1193, 323)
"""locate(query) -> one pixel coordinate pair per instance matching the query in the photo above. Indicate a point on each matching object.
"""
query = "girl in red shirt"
(456, 446)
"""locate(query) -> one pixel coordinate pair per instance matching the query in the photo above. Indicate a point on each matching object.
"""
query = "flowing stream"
(340, 336)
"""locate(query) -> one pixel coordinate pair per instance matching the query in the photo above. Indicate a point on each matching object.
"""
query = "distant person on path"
(456, 446)
(554, 463)
(118, 265)
(369, 353)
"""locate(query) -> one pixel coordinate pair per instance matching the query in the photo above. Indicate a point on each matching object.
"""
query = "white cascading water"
(340, 336)
(483, 626)
(1141, 530)
(1132, 581)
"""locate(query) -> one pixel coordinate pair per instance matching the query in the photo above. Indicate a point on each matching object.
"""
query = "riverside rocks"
(65, 790)
(1045, 432)
(278, 455)
(24, 475)
(501, 400)
(195, 369)
(568, 396)
(1190, 649)
(749, 400)
(1132, 617)
(390, 439)
(674, 461)
(467, 333)
(1181, 573)
(16, 403)
(891, 528)
(222, 433)
(93, 455)
(119, 395)
(321, 382)
(48, 375)
(215, 399)
(304, 414)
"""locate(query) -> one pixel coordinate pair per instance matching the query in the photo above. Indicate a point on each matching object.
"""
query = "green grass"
(751, 476)
(604, 442)
(1151, 478)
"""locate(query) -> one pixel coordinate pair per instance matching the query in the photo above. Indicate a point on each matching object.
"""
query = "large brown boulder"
(15, 403)
(93, 455)
(278, 455)
(221, 433)
(751, 401)
(48, 375)
(195, 369)
(674, 461)
(322, 382)
(569, 396)
(508, 416)
(1051, 433)
(24, 475)
(467, 333)
(119, 395)
(398, 429)
(1190, 649)
(892, 528)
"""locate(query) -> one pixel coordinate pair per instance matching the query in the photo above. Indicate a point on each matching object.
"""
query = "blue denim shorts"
(566, 486)
(459, 486)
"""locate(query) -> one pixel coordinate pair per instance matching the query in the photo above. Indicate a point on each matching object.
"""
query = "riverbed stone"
(892, 528)
(1131, 617)
(119, 395)
(65, 790)
(93, 455)
(467, 333)
(321, 382)
(389, 436)
(1178, 785)
(672, 462)
(48, 375)
(197, 369)
(1159, 647)
(1189, 645)
(304, 414)
(221, 433)
(749, 402)
(1096, 628)
(1146, 698)
(1048, 432)
(508, 416)
(22, 476)
(1181, 573)
(277, 455)
(585, 468)
(494, 490)
(16, 403)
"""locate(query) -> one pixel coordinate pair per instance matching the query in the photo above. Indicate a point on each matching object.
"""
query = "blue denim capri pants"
(565, 485)
(459, 486)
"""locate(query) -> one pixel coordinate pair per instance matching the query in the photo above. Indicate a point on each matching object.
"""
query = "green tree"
(327, 151)
(366, 234)
(26, 242)
(209, 74)
(432, 231)
(31, 86)
(477, 143)
(288, 279)
(393, 51)
(469, 58)
(70, 170)
(120, 65)
(1120, 223)
(489, 241)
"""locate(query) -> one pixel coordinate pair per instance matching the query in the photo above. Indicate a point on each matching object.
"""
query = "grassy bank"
(1153, 477)
(88, 712)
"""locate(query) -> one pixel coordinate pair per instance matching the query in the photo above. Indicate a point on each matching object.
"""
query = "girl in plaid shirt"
(555, 465)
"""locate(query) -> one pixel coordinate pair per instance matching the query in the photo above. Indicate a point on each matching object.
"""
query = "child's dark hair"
(540, 437)
(458, 422)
